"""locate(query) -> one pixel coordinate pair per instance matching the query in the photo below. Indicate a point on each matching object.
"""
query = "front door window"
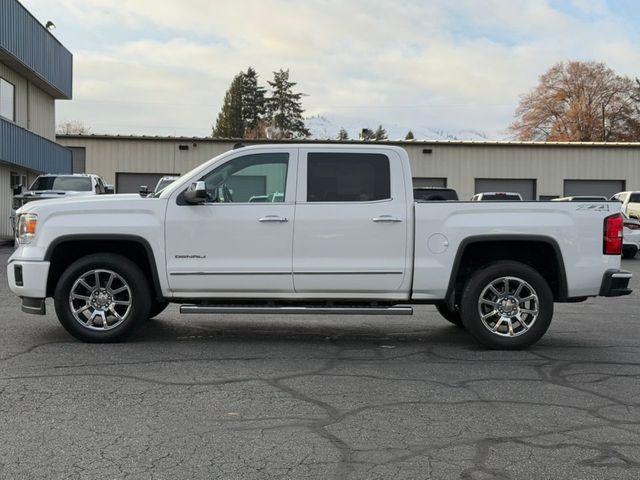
(258, 178)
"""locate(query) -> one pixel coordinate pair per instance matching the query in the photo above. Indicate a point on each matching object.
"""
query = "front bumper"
(28, 280)
(615, 283)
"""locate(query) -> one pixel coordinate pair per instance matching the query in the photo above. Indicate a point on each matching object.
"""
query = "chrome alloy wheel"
(508, 306)
(100, 300)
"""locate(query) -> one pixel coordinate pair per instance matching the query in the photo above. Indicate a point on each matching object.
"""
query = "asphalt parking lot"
(321, 397)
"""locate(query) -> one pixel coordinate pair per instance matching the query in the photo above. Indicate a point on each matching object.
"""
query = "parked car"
(434, 194)
(347, 239)
(162, 183)
(165, 181)
(581, 198)
(50, 186)
(497, 197)
(631, 237)
(274, 197)
(630, 203)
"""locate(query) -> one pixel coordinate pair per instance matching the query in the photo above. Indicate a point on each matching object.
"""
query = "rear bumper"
(615, 283)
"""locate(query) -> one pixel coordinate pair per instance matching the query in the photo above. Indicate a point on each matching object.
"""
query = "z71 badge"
(600, 207)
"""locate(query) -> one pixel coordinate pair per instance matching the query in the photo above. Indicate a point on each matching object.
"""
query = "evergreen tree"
(284, 107)
(343, 134)
(230, 123)
(380, 133)
(409, 135)
(253, 101)
(366, 134)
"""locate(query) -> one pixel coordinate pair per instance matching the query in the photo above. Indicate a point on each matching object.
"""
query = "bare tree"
(72, 127)
(579, 102)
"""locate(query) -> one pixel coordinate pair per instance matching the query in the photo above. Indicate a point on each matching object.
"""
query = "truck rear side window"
(348, 177)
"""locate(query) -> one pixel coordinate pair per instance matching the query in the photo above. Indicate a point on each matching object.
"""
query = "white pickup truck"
(335, 229)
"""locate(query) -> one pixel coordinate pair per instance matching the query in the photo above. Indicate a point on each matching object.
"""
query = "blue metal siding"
(28, 41)
(28, 150)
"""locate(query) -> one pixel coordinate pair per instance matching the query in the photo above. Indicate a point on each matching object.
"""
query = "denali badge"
(191, 256)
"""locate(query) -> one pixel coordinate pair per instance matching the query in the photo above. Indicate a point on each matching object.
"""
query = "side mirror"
(196, 193)
(108, 188)
(144, 190)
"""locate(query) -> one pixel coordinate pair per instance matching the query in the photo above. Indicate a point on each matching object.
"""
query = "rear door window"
(348, 177)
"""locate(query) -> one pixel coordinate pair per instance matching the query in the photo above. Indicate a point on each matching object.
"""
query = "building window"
(347, 177)
(7, 100)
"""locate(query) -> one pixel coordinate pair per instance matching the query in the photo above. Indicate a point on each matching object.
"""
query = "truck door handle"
(386, 218)
(273, 218)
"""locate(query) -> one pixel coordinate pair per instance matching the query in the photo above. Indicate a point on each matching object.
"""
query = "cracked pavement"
(321, 397)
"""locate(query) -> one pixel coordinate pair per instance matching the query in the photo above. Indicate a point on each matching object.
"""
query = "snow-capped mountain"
(322, 127)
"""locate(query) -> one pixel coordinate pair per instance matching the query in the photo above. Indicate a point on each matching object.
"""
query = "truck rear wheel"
(102, 298)
(452, 316)
(507, 305)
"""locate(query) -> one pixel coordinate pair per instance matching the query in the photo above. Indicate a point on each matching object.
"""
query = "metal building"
(35, 70)
(536, 170)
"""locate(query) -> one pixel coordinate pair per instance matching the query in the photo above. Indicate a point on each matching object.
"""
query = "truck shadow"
(303, 328)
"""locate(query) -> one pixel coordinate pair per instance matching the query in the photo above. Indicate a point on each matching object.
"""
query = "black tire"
(115, 273)
(507, 305)
(629, 252)
(451, 316)
(157, 307)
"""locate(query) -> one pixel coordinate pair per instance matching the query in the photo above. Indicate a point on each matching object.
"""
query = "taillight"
(613, 226)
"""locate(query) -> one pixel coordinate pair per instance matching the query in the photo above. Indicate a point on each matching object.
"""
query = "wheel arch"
(496, 247)
(67, 248)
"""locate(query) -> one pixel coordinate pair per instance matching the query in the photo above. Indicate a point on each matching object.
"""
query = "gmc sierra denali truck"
(335, 230)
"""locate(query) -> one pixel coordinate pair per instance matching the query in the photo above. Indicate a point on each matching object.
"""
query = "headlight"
(27, 227)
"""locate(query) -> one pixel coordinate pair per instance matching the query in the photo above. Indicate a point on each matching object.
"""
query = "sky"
(161, 67)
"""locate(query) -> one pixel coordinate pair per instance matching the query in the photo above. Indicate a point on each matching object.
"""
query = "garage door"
(429, 182)
(524, 186)
(130, 182)
(593, 187)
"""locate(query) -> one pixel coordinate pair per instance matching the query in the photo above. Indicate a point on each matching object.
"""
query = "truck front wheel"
(507, 305)
(102, 298)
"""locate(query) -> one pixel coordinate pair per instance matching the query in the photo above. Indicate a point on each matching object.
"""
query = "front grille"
(18, 202)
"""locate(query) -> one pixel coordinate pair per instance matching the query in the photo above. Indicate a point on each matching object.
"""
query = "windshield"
(163, 183)
(180, 182)
(67, 184)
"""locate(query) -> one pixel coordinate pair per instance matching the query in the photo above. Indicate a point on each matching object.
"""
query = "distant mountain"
(322, 127)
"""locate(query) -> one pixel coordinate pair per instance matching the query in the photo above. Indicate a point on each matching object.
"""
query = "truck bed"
(443, 229)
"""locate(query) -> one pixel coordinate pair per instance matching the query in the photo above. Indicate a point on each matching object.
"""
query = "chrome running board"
(249, 309)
